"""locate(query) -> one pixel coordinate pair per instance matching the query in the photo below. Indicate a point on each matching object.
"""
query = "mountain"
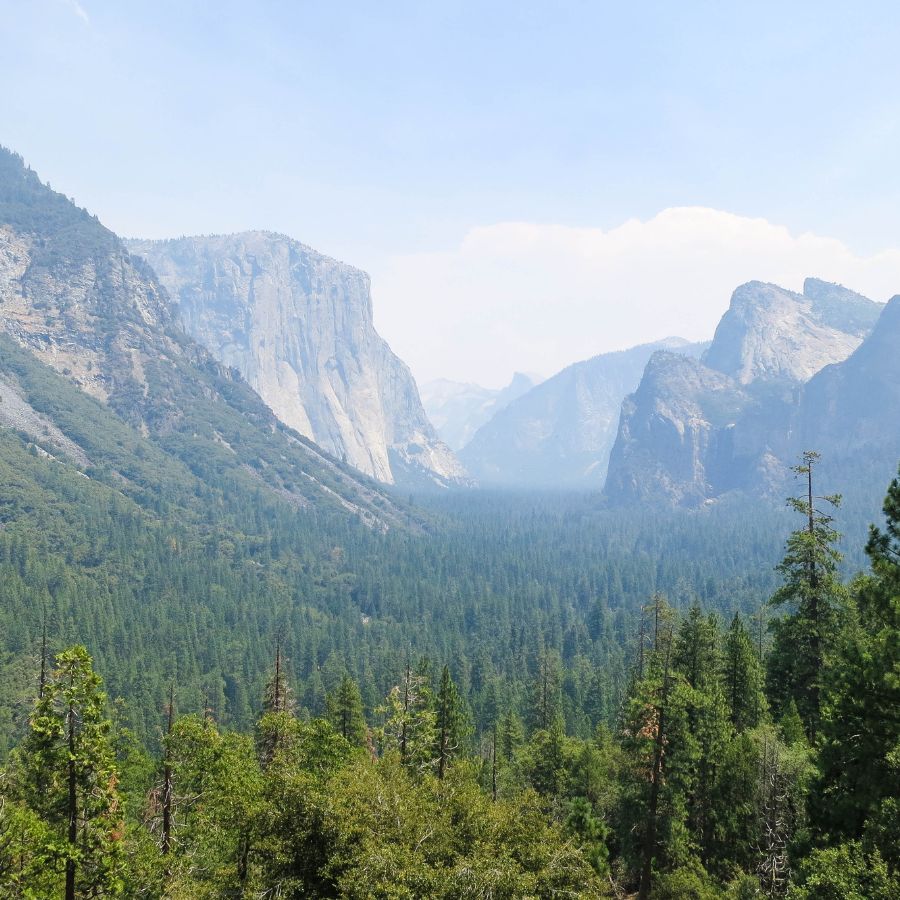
(851, 410)
(695, 431)
(298, 327)
(74, 297)
(770, 333)
(675, 441)
(459, 409)
(560, 433)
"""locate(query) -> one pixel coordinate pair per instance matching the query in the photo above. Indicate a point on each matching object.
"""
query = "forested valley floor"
(513, 696)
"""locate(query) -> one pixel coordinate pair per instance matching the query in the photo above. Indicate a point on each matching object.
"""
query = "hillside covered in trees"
(681, 751)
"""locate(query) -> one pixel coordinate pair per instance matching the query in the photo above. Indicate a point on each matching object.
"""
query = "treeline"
(494, 583)
(734, 767)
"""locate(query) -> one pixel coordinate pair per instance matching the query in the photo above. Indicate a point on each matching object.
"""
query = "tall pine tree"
(813, 592)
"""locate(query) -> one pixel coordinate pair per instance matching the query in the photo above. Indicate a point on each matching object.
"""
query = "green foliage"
(845, 872)
(451, 725)
(25, 841)
(69, 777)
(743, 678)
(804, 639)
(344, 711)
(861, 750)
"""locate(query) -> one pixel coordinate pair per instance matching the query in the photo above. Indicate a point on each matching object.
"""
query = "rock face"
(770, 333)
(852, 409)
(298, 326)
(74, 297)
(458, 409)
(694, 431)
(560, 433)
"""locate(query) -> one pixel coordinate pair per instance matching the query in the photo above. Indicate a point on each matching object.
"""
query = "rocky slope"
(560, 433)
(77, 301)
(459, 409)
(298, 326)
(852, 409)
(692, 433)
(770, 333)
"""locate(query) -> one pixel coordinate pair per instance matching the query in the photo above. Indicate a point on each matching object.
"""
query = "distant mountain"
(73, 297)
(736, 419)
(560, 433)
(298, 326)
(851, 410)
(458, 409)
(769, 333)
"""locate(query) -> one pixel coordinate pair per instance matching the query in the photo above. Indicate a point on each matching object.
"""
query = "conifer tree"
(545, 700)
(345, 712)
(511, 735)
(71, 776)
(450, 722)
(743, 678)
(813, 591)
(696, 651)
(409, 725)
(278, 710)
(860, 756)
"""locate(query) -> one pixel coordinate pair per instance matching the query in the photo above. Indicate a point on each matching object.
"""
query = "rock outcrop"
(769, 333)
(298, 326)
(852, 409)
(694, 431)
(560, 433)
(73, 296)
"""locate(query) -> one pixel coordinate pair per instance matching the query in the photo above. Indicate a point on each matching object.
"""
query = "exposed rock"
(72, 295)
(560, 433)
(854, 407)
(457, 410)
(693, 432)
(771, 333)
(675, 436)
(17, 413)
(298, 326)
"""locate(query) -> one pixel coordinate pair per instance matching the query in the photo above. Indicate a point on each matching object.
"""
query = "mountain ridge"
(73, 297)
(560, 433)
(298, 325)
(737, 422)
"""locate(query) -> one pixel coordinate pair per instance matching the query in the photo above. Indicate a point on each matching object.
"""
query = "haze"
(528, 184)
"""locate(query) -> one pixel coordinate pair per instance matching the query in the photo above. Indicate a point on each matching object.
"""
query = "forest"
(547, 702)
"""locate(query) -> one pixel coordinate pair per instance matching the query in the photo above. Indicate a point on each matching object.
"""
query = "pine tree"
(812, 588)
(278, 710)
(409, 725)
(71, 776)
(742, 677)
(696, 652)
(511, 735)
(860, 756)
(450, 724)
(545, 700)
(345, 712)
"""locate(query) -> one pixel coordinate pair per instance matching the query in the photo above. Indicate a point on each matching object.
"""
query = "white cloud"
(523, 296)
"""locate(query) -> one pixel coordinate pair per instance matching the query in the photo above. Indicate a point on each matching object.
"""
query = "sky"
(528, 184)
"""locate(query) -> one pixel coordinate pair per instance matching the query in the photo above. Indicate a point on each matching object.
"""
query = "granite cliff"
(695, 430)
(560, 433)
(78, 302)
(298, 326)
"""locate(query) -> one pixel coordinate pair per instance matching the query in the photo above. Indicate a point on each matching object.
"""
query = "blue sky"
(389, 134)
